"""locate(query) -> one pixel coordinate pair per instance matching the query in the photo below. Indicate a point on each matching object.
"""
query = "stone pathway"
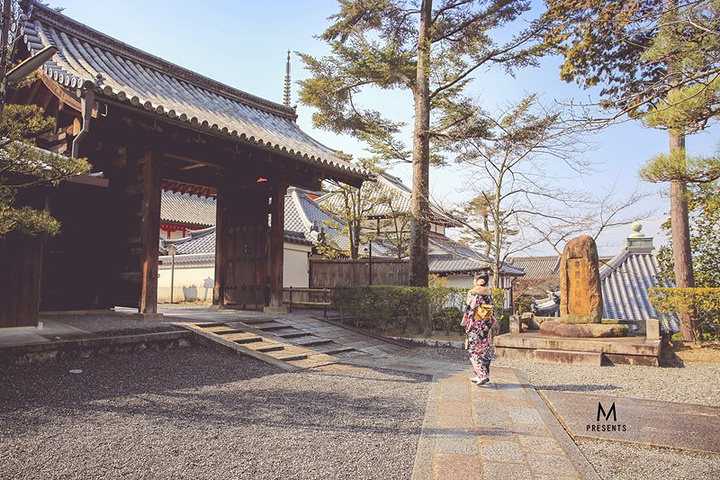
(499, 431)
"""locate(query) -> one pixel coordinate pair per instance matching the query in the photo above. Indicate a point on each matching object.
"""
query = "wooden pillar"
(220, 247)
(277, 244)
(20, 275)
(150, 233)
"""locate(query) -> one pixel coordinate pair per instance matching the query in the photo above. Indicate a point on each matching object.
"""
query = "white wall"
(192, 282)
(296, 266)
(195, 282)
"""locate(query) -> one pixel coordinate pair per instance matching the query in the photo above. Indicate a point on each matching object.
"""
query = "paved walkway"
(501, 430)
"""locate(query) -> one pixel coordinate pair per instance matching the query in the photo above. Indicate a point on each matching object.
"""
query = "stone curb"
(87, 347)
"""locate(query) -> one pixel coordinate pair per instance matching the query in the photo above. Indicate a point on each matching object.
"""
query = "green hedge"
(385, 307)
(701, 303)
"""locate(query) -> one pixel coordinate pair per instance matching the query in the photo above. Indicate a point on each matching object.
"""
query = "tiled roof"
(197, 241)
(448, 256)
(196, 259)
(537, 267)
(187, 209)
(625, 281)
(203, 241)
(302, 212)
(146, 82)
(395, 197)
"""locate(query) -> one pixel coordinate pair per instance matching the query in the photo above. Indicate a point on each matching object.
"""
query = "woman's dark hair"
(482, 276)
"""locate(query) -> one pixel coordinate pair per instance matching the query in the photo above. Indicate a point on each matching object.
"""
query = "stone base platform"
(585, 351)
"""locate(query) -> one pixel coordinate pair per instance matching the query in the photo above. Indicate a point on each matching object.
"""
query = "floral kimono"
(478, 321)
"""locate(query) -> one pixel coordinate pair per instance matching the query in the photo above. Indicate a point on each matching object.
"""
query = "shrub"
(523, 304)
(702, 304)
(388, 307)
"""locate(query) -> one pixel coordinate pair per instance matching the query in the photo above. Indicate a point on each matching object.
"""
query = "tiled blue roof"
(625, 280)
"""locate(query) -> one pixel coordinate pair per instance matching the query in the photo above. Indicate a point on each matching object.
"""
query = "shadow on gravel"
(52, 384)
(206, 387)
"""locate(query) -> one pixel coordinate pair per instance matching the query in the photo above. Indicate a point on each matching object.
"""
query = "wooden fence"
(327, 273)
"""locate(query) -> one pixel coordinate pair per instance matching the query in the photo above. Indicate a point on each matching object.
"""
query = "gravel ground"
(618, 461)
(697, 383)
(196, 413)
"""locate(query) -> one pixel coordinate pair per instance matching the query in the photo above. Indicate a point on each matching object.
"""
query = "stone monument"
(581, 305)
(580, 291)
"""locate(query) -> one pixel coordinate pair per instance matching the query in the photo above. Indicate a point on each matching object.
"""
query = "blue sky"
(244, 44)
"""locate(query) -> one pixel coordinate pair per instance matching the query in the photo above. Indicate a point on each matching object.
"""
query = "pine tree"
(23, 166)
(430, 49)
(655, 60)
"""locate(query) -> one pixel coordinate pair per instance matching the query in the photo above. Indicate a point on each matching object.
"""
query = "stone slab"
(584, 330)
(576, 358)
(644, 360)
(645, 422)
(622, 345)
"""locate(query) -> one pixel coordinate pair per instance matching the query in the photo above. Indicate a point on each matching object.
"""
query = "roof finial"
(286, 97)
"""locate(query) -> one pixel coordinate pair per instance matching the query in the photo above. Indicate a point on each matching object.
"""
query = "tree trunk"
(419, 225)
(679, 222)
(680, 231)
(419, 201)
(4, 40)
(498, 232)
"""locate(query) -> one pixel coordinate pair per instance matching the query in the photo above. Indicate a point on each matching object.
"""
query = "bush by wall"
(385, 307)
(701, 303)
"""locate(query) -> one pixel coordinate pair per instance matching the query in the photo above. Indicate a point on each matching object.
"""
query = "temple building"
(147, 125)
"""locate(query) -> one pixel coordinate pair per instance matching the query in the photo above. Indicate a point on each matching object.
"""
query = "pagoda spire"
(286, 96)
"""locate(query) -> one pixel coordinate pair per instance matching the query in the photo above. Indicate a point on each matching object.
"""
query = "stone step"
(336, 350)
(224, 331)
(314, 343)
(242, 338)
(272, 328)
(291, 357)
(256, 321)
(568, 356)
(295, 335)
(274, 347)
(264, 346)
(209, 324)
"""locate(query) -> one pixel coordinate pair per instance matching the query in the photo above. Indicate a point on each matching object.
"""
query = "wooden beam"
(150, 233)
(193, 167)
(61, 94)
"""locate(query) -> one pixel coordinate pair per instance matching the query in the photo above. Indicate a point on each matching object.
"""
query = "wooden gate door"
(243, 238)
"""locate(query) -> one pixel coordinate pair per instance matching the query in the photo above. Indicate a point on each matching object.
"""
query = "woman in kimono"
(478, 321)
